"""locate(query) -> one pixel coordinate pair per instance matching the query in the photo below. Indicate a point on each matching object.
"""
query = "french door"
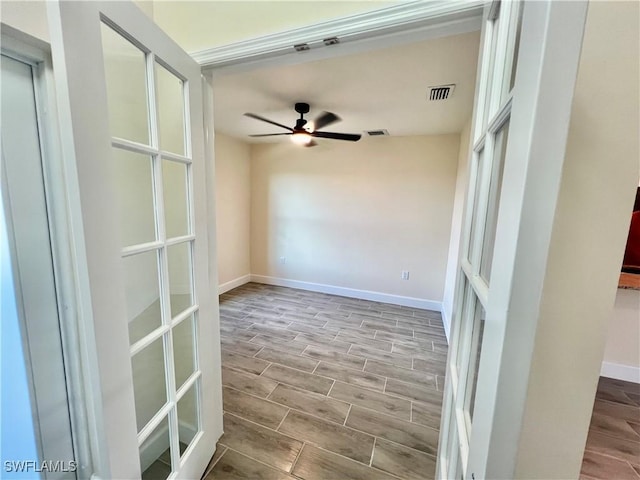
(131, 119)
(524, 45)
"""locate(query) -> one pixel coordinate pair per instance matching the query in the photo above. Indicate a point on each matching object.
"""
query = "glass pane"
(474, 362)
(170, 100)
(134, 190)
(174, 179)
(149, 384)
(516, 46)
(491, 223)
(155, 459)
(142, 294)
(188, 417)
(464, 326)
(183, 350)
(476, 198)
(489, 102)
(180, 285)
(125, 74)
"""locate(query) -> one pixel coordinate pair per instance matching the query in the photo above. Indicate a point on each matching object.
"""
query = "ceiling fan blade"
(269, 134)
(258, 117)
(324, 119)
(351, 137)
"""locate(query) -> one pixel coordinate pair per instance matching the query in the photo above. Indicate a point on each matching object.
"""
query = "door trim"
(385, 27)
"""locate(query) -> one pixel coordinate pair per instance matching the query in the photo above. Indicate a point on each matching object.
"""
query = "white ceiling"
(382, 89)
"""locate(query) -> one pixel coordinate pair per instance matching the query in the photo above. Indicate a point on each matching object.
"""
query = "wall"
(356, 215)
(233, 206)
(597, 190)
(456, 228)
(200, 25)
(622, 351)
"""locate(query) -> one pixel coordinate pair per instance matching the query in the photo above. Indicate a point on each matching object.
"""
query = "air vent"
(331, 41)
(441, 92)
(377, 133)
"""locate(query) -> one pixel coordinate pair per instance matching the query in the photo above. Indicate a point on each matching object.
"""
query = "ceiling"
(381, 89)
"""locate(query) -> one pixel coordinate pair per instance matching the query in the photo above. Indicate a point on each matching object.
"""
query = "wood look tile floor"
(320, 387)
(613, 444)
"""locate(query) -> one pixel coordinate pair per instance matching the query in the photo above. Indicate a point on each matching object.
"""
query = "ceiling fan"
(304, 132)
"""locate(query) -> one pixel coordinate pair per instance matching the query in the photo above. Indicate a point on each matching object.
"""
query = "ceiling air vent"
(441, 92)
(377, 133)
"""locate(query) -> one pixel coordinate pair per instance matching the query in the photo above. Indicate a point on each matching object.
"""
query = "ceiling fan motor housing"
(302, 108)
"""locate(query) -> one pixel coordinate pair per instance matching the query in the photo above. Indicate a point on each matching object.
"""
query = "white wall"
(356, 215)
(456, 228)
(599, 182)
(233, 193)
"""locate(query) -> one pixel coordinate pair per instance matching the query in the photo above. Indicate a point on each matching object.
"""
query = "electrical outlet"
(283, 260)
(405, 275)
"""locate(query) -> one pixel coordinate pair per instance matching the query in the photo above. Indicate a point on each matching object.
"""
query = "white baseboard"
(620, 372)
(351, 292)
(225, 287)
(446, 321)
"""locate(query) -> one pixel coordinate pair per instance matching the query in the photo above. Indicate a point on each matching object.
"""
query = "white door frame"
(69, 265)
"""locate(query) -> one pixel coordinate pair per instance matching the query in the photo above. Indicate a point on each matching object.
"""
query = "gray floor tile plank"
(256, 409)
(373, 400)
(408, 434)
(387, 357)
(247, 382)
(317, 464)
(328, 435)
(311, 403)
(242, 362)
(235, 466)
(297, 378)
(398, 373)
(348, 375)
(402, 461)
(425, 394)
(260, 443)
(320, 352)
(287, 359)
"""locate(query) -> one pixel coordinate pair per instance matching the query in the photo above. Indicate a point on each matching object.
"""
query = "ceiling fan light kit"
(304, 132)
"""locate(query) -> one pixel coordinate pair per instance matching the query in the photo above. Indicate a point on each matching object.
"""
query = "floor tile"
(317, 464)
(216, 456)
(373, 400)
(402, 461)
(287, 359)
(612, 446)
(247, 382)
(297, 378)
(398, 373)
(323, 339)
(425, 414)
(348, 375)
(156, 471)
(328, 435)
(312, 403)
(242, 362)
(240, 346)
(614, 427)
(624, 412)
(603, 466)
(256, 409)
(235, 466)
(279, 343)
(408, 434)
(347, 336)
(387, 357)
(319, 352)
(260, 443)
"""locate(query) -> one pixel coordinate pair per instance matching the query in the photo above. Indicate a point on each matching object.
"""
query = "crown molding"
(410, 21)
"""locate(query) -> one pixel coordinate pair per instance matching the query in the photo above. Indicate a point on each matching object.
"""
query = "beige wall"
(205, 24)
(456, 227)
(599, 181)
(233, 185)
(623, 342)
(355, 215)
